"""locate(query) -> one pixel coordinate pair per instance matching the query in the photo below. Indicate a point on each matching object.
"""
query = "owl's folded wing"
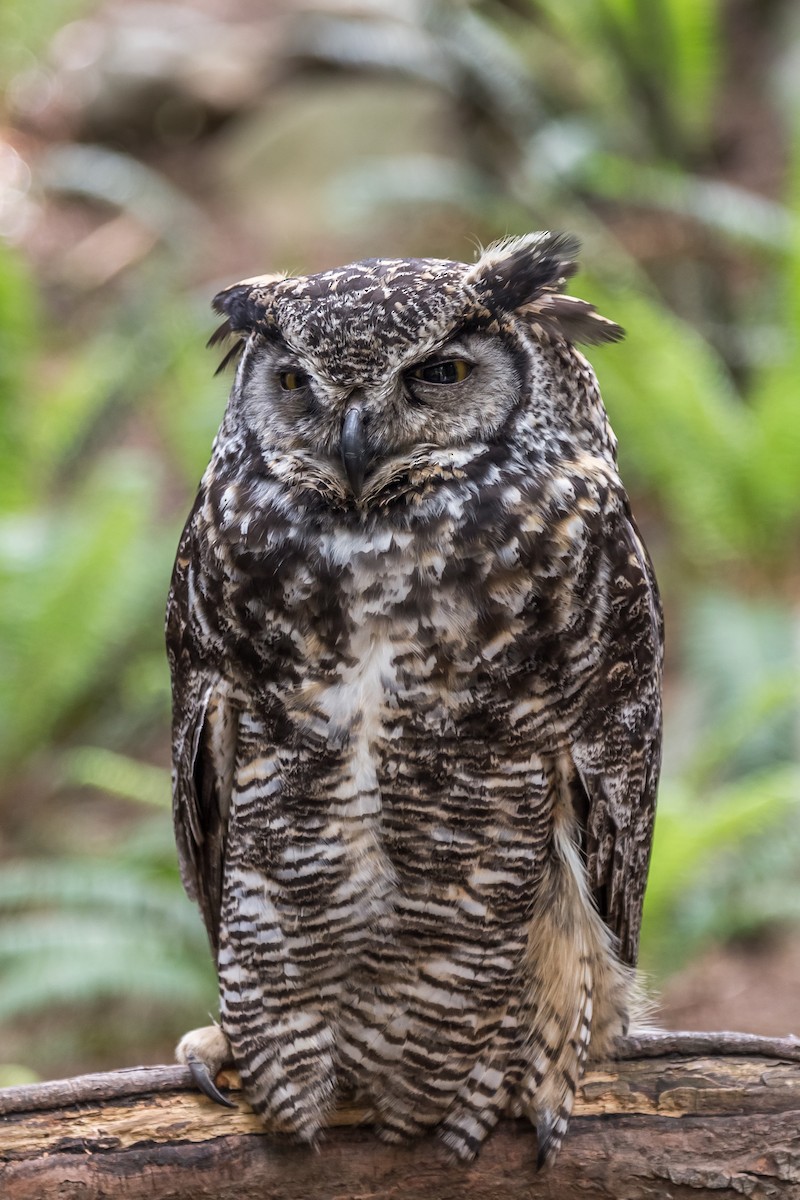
(616, 747)
(205, 723)
(203, 753)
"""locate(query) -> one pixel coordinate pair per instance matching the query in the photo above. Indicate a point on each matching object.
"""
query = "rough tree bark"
(678, 1116)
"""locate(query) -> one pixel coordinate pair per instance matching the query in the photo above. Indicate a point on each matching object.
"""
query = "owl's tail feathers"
(560, 1043)
(578, 992)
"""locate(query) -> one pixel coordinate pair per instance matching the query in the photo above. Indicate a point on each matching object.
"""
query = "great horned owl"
(416, 649)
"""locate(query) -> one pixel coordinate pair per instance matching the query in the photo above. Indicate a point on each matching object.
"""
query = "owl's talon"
(545, 1129)
(205, 1051)
(202, 1077)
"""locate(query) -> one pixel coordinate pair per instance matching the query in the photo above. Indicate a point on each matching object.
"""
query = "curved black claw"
(548, 1137)
(205, 1083)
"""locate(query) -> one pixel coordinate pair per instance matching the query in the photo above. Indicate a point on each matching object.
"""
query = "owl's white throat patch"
(354, 708)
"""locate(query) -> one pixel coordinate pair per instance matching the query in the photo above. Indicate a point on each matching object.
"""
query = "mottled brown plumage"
(416, 651)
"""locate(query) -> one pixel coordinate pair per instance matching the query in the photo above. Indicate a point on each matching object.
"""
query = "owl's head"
(350, 372)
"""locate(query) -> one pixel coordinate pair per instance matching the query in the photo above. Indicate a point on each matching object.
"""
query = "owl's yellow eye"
(292, 381)
(450, 370)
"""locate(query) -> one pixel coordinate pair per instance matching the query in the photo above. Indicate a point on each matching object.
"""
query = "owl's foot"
(205, 1051)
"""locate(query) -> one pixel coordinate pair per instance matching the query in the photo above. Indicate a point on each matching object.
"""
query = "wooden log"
(662, 1124)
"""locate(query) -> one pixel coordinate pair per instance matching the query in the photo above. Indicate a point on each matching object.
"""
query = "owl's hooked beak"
(353, 447)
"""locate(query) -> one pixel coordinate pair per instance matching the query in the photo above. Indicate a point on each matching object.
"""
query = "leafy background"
(148, 155)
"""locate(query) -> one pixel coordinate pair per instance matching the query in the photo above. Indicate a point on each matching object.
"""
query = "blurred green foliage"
(597, 116)
(26, 28)
(85, 553)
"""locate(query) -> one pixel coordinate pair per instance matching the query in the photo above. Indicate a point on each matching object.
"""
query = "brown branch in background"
(656, 1045)
(678, 1120)
(83, 1089)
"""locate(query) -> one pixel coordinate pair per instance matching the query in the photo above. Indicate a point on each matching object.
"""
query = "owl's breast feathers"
(508, 614)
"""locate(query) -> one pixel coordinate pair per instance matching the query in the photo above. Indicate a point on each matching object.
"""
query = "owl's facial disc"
(362, 422)
(435, 375)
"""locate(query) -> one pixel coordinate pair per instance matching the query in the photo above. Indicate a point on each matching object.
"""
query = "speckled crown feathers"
(519, 277)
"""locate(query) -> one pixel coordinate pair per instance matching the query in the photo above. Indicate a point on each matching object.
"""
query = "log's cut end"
(708, 1125)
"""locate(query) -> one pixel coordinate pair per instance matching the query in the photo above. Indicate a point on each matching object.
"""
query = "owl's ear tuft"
(573, 319)
(236, 303)
(244, 305)
(526, 275)
(516, 270)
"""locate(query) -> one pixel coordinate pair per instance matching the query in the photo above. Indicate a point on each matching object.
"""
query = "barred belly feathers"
(416, 647)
